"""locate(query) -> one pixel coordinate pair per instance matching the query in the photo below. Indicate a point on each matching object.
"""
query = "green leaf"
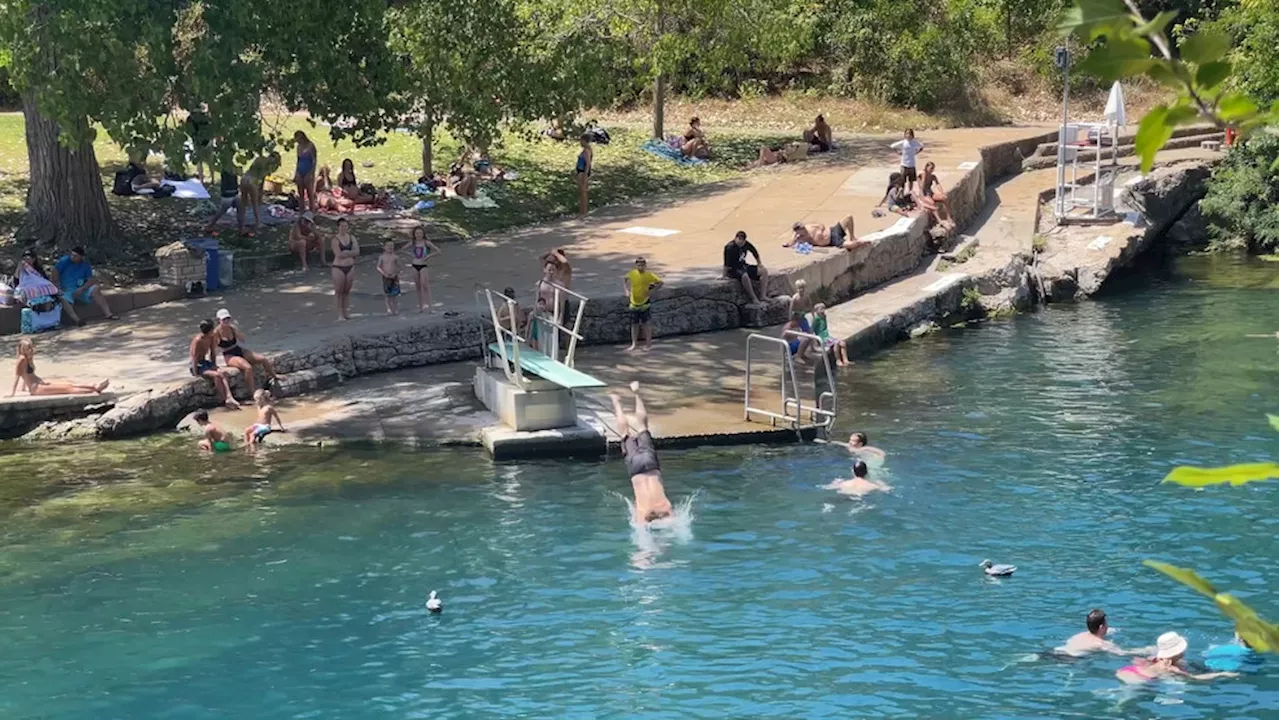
(1153, 133)
(1275, 422)
(1091, 17)
(1210, 75)
(1236, 107)
(1261, 635)
(1185, 576)
(1119, 58)
(1157, 24)
(1232, 474)
(1162, 72)
(1180, 115)
(1204, 47)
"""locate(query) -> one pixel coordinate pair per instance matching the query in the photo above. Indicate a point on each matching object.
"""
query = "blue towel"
(661, 149)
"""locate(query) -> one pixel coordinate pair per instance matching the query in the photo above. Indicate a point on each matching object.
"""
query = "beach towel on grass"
(663, 150)
(191, 189)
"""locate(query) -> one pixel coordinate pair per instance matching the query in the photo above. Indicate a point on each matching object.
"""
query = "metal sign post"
(1062, 61)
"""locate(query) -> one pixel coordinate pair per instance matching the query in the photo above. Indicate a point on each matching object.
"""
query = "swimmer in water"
(1094, 639)
(642, 460)
(859, 484)
(1170, 661)
(858, 446)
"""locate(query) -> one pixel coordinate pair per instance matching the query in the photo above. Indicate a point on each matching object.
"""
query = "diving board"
(532, 361)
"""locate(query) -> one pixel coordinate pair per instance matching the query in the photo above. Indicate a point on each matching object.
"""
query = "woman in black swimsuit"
(582, 173)
(237, 356)
(420, 249)
(345, 252)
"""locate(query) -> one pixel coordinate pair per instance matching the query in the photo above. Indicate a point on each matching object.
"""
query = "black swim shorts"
(640, 315)
(639, 453)
(908, 174)
(752, 270)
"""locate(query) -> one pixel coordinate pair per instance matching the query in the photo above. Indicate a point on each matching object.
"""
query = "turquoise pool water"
(293, 586)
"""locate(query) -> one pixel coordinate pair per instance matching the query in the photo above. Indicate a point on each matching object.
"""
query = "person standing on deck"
(638, 284)
(651, 501)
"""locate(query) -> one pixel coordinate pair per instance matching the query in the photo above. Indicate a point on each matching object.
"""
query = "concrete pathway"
(148, 348)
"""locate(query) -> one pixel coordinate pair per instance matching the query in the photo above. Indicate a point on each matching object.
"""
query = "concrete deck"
(694, 383)
(291, 312)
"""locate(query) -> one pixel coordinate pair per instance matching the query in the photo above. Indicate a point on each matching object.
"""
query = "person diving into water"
(651, 501)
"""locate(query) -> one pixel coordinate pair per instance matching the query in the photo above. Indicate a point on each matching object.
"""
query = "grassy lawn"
(544, 191)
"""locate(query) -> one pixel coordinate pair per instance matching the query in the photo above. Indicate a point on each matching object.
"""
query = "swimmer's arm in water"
(1205, 676)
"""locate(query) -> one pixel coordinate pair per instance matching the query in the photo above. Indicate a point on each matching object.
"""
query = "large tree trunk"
(425, 131)
(66, 205)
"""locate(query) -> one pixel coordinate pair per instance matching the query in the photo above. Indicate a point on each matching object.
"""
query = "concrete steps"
(1046, 155)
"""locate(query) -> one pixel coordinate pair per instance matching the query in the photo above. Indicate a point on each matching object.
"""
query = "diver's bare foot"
(102, 385)
(631, 349)
(231, 404)
(635, 387)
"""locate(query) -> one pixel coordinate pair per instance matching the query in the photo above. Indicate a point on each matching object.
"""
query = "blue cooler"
(211, 264)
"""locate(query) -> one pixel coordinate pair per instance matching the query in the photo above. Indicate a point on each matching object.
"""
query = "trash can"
(226, 268)
(211, 262)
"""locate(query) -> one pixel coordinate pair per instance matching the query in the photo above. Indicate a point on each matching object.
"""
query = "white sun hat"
(1170, 645)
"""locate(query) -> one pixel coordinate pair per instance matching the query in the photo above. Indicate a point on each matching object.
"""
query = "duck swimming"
(433, 603)
(997, 570)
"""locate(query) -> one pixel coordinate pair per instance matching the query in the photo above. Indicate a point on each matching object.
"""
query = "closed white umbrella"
(1114, 112)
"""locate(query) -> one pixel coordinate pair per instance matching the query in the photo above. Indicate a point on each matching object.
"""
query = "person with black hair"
(695, 141)
(859, 484)
(737, 268)
(1094, 639)
(204, 363)
(73, 275)
(858, 446)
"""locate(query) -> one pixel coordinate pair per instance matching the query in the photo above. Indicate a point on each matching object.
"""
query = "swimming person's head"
(201, 417)
(858, 439)
(859, 469)
(1096, 621)
(509, 292)
(1171, 646)
(549, 271)
(206, 326)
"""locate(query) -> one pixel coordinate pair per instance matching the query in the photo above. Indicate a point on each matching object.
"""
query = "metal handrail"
(789, 371)
(557, 322)
(510, 365)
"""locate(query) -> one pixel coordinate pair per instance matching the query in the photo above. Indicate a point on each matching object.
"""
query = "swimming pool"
(293, 585)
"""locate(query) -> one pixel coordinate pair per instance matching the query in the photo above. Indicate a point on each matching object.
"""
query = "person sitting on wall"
(73, 275)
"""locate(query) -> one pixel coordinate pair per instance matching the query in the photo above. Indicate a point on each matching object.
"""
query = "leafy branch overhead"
(1260, 634)
(1123, 43)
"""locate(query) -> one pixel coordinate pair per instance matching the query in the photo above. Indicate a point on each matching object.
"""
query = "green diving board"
(534, 362)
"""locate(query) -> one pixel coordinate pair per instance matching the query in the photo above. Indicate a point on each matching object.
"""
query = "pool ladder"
(793, 412)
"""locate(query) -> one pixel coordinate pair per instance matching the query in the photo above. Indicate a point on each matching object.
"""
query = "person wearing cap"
(1094, 639)
(73, 275)
(1170, 661)
(304, 239)
(235, 355)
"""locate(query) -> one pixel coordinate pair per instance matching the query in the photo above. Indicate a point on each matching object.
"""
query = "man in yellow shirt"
(638, 284)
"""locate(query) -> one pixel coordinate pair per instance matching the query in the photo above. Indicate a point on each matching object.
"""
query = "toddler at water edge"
(254, 434)
(214, 439)
(389, 268)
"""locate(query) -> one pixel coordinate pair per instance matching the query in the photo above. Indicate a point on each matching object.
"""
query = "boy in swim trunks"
(642, 460)
(214, 440)
(389, 268)
(254, 434)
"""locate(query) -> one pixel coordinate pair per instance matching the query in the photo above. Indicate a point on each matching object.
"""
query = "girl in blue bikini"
(420, 248)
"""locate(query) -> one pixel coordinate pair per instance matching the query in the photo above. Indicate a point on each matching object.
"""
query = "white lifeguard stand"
(1089, 147)
(532, 389)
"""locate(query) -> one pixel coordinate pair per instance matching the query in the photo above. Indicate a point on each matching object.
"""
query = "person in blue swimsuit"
(582, 172)
(420, 248)
(305, 173)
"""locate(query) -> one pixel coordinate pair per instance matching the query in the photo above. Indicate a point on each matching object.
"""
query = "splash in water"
(650, 538)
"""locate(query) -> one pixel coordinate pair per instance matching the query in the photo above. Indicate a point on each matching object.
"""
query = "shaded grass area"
(545, 189)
